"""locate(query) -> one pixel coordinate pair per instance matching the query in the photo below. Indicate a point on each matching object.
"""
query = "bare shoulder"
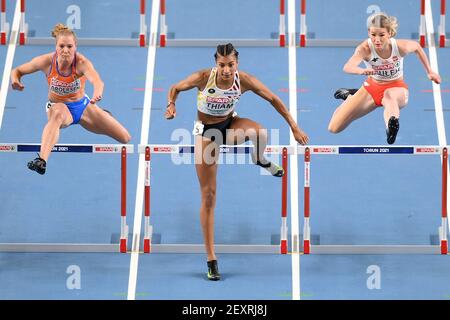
(43, 61)
(363, 48)
(246, 77)
(200, 77)
(45, 58)
(249, 82)
(204, 74)
(406, 46)
(81, 59)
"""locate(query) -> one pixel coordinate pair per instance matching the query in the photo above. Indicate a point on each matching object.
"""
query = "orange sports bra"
(65, 86)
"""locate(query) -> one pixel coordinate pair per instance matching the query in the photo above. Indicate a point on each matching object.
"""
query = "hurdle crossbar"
(25, 39)
(308, 247)
(282, 248)
(4, 25)
(164, 41)
(77, 247)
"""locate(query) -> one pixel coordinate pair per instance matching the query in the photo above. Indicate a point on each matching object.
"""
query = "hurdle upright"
(123, 150)
(308, 247)
(140, 40)
(149, 247)
(4, 26)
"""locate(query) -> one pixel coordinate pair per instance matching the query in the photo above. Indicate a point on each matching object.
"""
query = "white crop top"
(218, 102)
(386, 69)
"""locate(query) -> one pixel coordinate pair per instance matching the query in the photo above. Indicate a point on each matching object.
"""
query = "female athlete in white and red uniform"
(66, 72)
(219, 89)
(383, 57)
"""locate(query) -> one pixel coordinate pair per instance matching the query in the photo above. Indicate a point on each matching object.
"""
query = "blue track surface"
(354, 199)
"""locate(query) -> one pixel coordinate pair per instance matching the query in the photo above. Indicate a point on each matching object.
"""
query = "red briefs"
(376, 90)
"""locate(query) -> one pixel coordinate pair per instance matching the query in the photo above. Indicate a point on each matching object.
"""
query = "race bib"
(198, 128)
(48, 105)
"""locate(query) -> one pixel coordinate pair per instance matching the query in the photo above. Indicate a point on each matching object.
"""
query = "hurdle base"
(219, 248)
(375, 249)
(215, 42)
(59, 247)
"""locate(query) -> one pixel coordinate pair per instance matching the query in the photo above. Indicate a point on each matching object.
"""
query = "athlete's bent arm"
(40, 63)
(410, 46)
(352, 65)
(260, 89)
(87, 69)
(195, 80)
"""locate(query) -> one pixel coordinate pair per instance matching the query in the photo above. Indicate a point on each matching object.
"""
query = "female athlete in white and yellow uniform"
(219, 90)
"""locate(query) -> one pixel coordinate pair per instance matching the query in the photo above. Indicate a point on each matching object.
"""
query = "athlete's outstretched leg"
(243, 129)
(58, 117)
(393, 100)
(99, 121)
(354, 107)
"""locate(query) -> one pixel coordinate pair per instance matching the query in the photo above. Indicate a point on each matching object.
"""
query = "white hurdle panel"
(309, 248)
(149, 247)
(123, 150)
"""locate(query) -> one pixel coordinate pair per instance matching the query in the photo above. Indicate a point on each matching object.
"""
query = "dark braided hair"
(225, 50)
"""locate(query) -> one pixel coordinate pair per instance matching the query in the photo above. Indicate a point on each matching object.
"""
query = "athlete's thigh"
(63, 113)
(99, 121)
(354, 107)
(241, 129)
(397, 94)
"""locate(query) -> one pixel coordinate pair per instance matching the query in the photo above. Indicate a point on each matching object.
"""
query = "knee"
(125, 137)
(209, 198)
(333, 128)
(56, 114)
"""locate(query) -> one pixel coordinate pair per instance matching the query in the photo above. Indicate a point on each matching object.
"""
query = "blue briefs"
(76, 108)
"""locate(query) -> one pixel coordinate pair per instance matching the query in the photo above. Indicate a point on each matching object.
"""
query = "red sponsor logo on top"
(105, 149)
(162, 149)
(6, 148)
(217, 100)
(426, 150)
(323, 150)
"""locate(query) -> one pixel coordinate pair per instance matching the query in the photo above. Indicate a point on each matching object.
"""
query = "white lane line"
(293, 168)
(9, 60)
(132, 280)
(437, 96)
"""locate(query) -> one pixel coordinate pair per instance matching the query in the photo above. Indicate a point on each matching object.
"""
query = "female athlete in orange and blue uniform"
(67, 72)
